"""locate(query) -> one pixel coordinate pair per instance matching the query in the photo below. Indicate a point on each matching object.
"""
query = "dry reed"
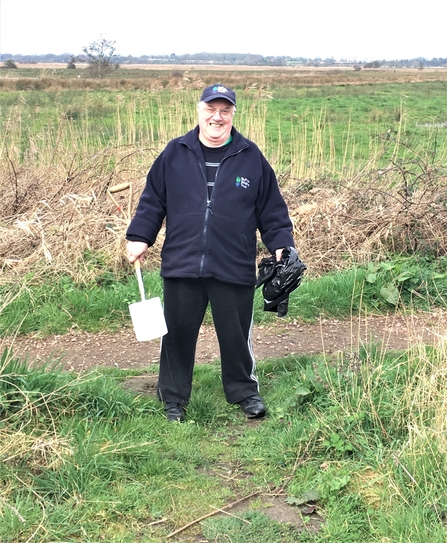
(155, 77)
(56, 210)
(49, 226)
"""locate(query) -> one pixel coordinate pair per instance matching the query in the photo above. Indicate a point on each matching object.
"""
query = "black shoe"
(175, 412)
(253, 407)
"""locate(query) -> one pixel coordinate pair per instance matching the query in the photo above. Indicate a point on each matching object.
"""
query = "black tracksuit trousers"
(185, 303)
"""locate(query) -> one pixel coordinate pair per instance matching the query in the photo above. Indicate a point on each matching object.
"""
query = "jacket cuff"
(132, 237)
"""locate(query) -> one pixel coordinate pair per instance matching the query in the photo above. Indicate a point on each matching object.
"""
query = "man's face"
(215, 122)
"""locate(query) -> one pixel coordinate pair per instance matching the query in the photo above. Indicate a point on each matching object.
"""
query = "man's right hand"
(136, 250)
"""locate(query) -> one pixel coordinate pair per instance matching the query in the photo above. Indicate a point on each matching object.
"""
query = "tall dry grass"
(144, 77)
(418, 477)
(56, 209)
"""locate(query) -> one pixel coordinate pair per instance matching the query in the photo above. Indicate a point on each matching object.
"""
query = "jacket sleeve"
(151, 209)
(273, 219)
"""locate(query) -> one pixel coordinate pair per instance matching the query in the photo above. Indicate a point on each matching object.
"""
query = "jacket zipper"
(209, 211)
(205, 224)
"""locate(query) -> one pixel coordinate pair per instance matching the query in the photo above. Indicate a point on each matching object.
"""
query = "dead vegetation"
(51, 224)
(365, 222)
(52, 77)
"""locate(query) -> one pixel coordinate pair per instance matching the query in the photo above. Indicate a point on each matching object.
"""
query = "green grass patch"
(55, 308)
(363, 441)
(337, 130)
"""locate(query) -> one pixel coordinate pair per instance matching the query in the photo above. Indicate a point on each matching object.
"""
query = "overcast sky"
(352, 29)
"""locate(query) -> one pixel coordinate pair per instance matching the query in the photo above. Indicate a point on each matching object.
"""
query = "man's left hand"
(278, 254)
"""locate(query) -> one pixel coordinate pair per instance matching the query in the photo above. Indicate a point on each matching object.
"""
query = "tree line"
(101, 49)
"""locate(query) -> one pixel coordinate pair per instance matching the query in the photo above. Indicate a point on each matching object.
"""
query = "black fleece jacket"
(216, 236)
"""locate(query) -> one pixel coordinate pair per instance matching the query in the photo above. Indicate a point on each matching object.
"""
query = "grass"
(58, 306)
(83, 459)
(55, 308)
(325, 131)
(340, 127)
(360, 434)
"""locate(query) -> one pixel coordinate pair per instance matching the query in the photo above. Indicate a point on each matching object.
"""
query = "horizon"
(179, 56)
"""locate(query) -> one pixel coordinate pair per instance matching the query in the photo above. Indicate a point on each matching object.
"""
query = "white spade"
(147, 316)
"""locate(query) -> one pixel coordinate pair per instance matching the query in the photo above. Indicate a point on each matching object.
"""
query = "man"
(215, 189)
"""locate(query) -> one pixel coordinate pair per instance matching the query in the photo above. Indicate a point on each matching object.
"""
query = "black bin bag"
(279, 278)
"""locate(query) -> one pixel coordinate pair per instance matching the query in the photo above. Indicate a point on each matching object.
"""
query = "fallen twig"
(157, 522)
(223, 510)
(300, 458)
(231, 515)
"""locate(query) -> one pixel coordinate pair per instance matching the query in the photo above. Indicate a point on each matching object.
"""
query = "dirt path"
(81, 350)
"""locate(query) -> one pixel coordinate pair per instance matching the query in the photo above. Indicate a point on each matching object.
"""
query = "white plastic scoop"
(147, 316)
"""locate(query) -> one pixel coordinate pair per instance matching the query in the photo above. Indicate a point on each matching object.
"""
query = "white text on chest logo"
(242, 182)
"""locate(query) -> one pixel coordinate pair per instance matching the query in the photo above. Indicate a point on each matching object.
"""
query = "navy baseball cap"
(218, 91)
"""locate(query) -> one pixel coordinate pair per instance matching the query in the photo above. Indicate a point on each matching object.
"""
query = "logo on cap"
(220, 89)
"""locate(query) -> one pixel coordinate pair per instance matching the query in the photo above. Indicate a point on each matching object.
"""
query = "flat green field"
(306, 131)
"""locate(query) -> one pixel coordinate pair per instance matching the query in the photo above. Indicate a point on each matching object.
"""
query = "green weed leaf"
(404, 276)
(302, 391)
(309, 496)
(390, 294)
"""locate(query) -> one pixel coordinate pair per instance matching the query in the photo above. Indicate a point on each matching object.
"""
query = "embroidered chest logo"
(242, 182)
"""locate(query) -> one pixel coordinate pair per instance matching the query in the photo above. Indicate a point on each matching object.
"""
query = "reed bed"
(55, 174)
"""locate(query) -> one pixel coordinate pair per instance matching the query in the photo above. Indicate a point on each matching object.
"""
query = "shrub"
(9, 64)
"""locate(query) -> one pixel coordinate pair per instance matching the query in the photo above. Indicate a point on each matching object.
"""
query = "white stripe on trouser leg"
(250, 348)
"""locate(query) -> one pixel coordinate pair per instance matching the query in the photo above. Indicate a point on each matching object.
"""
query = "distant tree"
(374, 64)
(99, 56)
(357, 68)
(71, 63)
(9, 64)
